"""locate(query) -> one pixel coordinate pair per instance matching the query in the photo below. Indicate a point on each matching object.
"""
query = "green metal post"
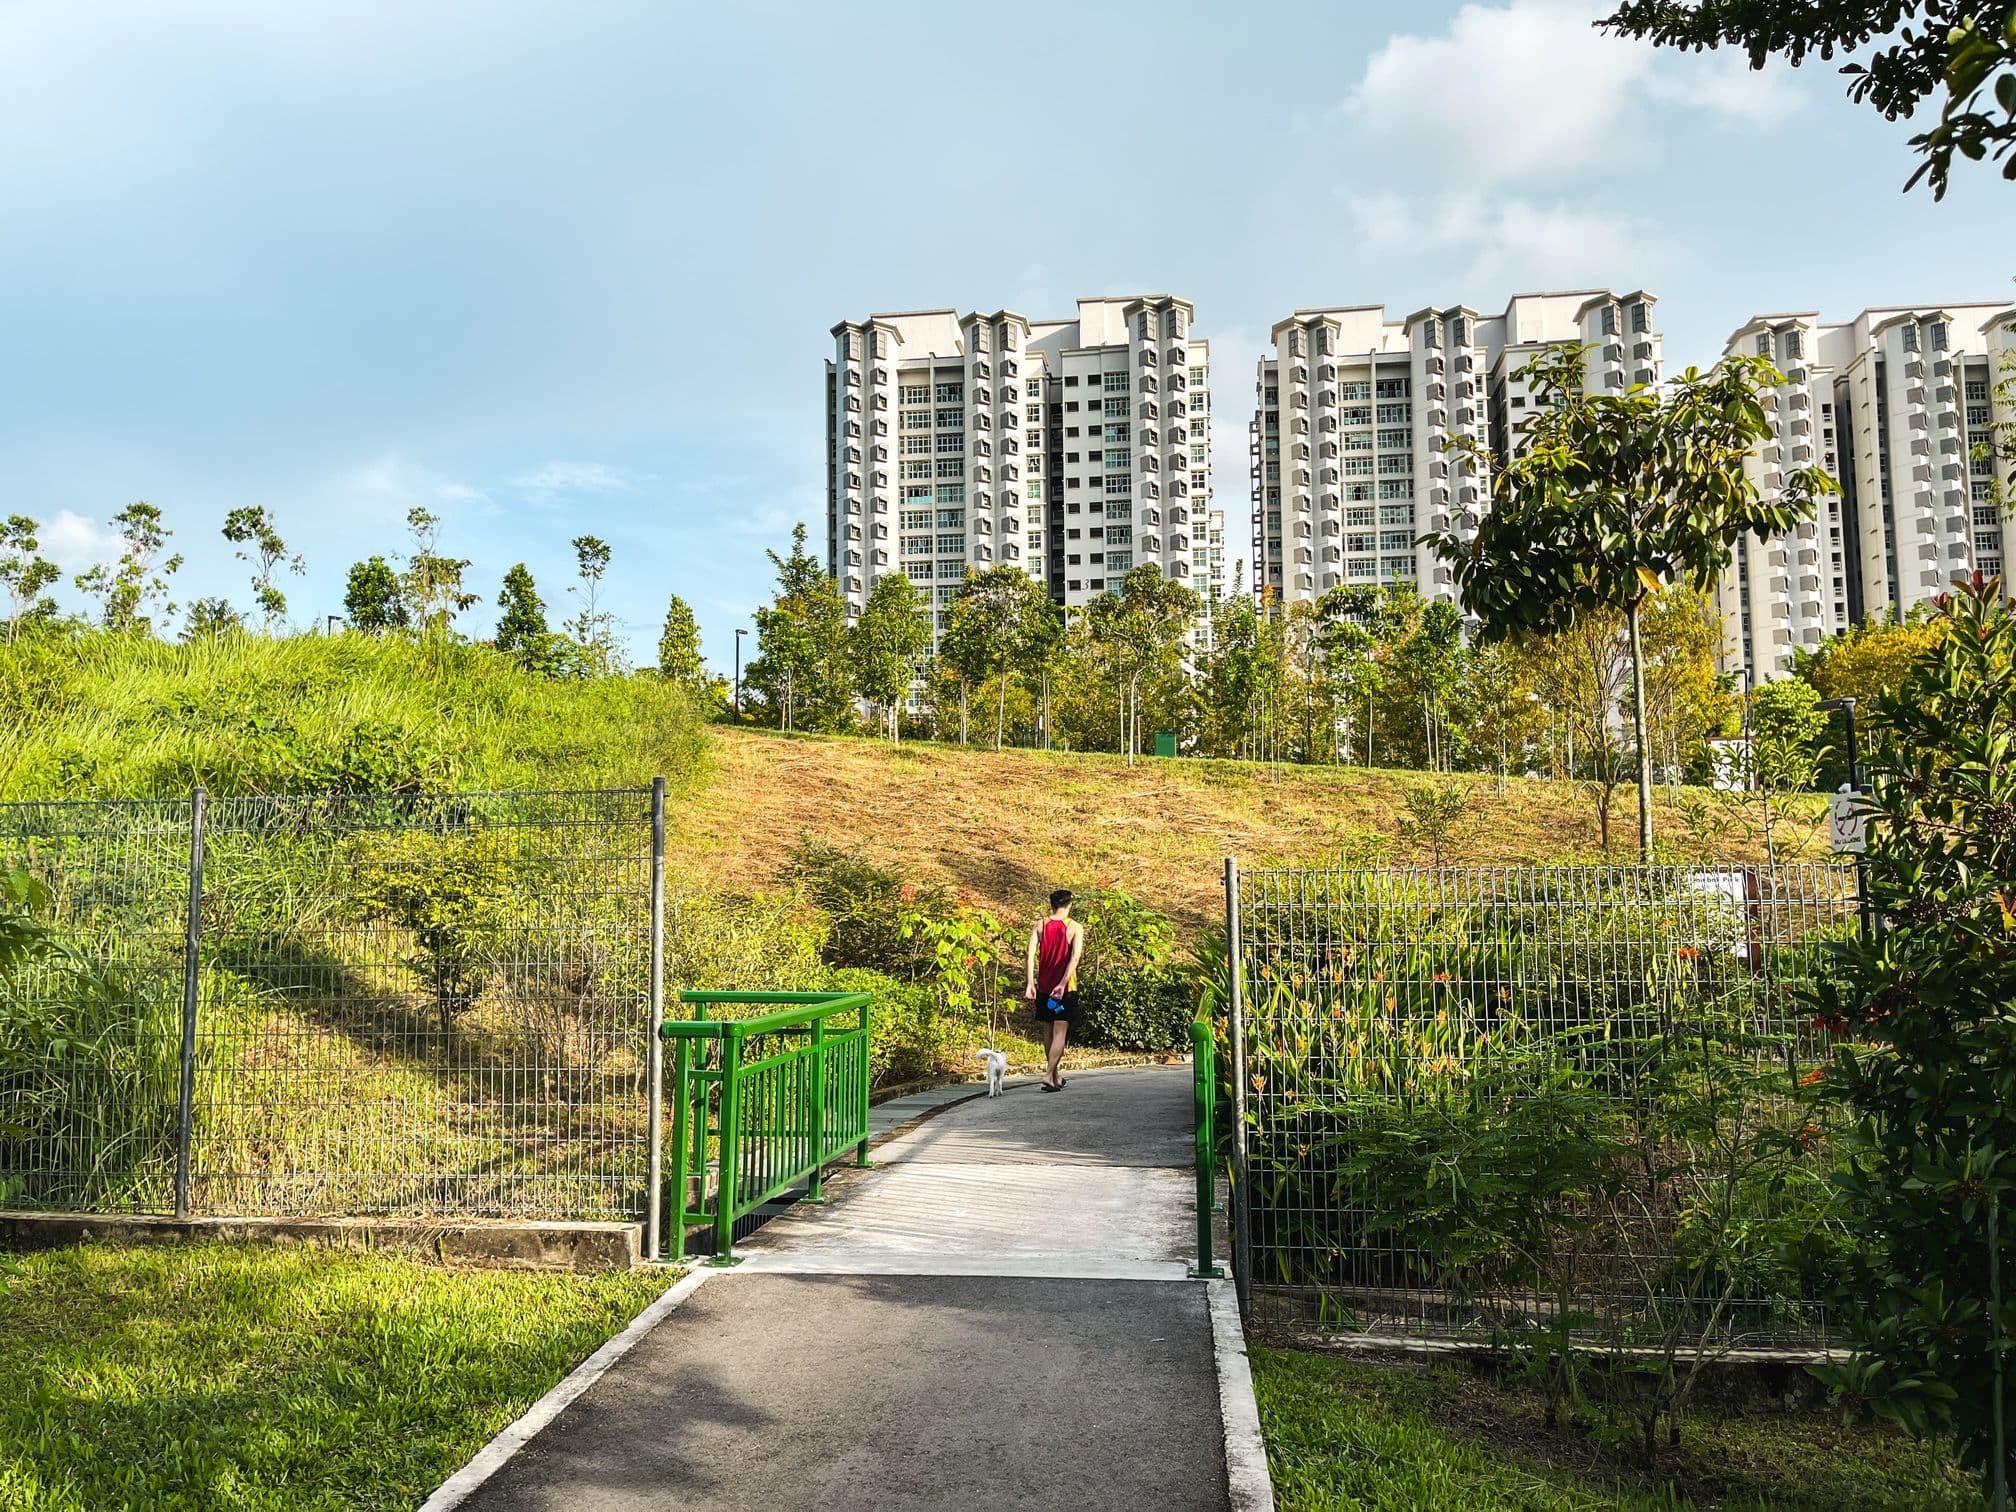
(730, 1146)
(1205, 1088)
(867, 1032)
(682, 1091)
(815, 1190)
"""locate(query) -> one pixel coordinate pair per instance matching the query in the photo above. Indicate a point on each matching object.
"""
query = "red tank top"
(1053, 954)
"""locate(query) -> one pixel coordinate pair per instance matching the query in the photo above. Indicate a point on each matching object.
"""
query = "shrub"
(1933, 1148)
(1135, 995)
(908, 1036)
(864, 906)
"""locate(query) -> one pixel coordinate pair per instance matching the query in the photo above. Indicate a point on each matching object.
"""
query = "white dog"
(997, 1069)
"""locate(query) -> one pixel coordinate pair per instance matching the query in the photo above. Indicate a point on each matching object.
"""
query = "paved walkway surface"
(995, 1317)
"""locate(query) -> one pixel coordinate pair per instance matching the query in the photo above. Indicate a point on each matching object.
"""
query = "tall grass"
(98, 714)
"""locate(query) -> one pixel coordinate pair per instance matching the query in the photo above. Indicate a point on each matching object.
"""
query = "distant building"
(1891, 403)
(1074, 449)
(1353, 413)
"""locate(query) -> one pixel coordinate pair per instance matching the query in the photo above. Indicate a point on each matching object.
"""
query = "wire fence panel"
(90, 1040)
(413, 1004)
(1567, 1101)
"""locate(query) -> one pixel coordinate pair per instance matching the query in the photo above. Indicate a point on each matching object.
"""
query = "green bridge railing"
(775, 1097)
(1204, 1065)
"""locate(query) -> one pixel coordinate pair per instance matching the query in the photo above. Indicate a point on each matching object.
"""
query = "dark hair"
(1060, 899)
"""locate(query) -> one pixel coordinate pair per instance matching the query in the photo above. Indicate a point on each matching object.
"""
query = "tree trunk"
(1638, 736)
(1000, 712)
(962, 713)
(1046, 710)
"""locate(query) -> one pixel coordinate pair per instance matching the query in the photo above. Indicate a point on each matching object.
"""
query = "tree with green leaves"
(800, 670)
(1614, 495)
(432, 583)
(1788, 733)
(251, 529)
(1040, 649)
(1239, 674)
(593, 628)
(373, 598)
(1137, 634)
(1925, 1061)
(1916, 49)
(885, 644)
(25, 574)
(984, 634)
(679, 658)
(130, 590)
(521, 629)
(209, 618)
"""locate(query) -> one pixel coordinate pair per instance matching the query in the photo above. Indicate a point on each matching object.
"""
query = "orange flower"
(1259, 1082)
(1813, 1078)
(1441, 976)
(1391, 1002)
(1688, 952)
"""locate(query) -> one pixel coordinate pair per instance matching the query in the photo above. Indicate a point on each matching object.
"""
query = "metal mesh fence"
(415, 1004)
(1487, 1103)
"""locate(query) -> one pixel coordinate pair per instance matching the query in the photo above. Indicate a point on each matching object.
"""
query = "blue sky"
(548, 269)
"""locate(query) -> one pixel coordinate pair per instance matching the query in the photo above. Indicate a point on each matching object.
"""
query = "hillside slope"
(1011, 826)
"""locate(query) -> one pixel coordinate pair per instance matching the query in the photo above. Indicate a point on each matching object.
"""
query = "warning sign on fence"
(1848, 824)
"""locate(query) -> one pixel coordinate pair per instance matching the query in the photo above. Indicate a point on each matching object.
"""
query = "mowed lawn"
(238, 1376)
(1010, 826)
(1344, 1434)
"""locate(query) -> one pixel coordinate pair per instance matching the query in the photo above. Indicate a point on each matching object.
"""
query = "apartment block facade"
(1075, 449)
(1891, 403)
(1354, 416)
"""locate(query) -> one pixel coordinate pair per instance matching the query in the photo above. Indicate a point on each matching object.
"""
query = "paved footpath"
(995, 1317)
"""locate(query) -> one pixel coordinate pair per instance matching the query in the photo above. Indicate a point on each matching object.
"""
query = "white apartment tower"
(1075, 449)
(1891, 403)
(1355, 412)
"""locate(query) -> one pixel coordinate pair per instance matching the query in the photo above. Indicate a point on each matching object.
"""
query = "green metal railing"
(1204, 1065)
(775, 1097)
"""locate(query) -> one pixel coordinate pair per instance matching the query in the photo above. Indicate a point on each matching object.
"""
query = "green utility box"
(1165, 742)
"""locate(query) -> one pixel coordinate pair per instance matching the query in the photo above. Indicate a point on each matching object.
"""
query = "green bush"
(864, 906)
(1135, 995)
(908, 1036)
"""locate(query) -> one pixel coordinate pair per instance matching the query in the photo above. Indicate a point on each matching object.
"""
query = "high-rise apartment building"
(1074, 449)
(1355, 413)
(1891, 403)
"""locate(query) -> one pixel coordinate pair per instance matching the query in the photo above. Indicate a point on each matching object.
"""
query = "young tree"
(800, 667)
(1787, 735)
(432, 583)
(984, 634)
(26, 575)
(208, 618)
(1869, 659)
(1583, 675)
(886, 643)
(1929, 1169)
(128, 591)
(1040, 649)
(1684, 697)
(679, 659)
(1967, 48)
(593, 628)
(521, 628)
(1137, 634)
(373, 600)
(1613, 497)
(1505, 702)
(251, 525)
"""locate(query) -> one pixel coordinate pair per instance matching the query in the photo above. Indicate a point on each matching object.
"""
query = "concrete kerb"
(1251, 1487)
(494, 1455)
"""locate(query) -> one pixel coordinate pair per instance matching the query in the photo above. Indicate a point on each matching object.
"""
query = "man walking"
(1055, 946)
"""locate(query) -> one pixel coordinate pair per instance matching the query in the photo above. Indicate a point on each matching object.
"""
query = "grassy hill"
(1011, 826)
(102, 715)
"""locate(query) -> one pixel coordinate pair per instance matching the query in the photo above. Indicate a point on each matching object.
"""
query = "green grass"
(95, 714)
(1344, 1434)
(235, 1376)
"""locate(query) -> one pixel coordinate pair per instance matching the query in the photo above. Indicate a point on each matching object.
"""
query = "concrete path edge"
(494, 1455)
(1251, 1487)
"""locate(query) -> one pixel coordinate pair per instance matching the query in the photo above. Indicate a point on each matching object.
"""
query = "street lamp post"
(738, 674)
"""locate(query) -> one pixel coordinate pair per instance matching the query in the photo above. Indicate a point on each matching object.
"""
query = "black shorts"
(1066, 1014)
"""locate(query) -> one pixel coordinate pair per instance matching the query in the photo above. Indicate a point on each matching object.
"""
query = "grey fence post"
(192, 981)
(654, 1054)
(1242, 1269)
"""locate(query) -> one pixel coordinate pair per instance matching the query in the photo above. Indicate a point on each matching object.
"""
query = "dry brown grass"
(1009, 827)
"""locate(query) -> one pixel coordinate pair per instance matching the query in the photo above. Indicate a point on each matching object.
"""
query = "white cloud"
(75, 542)
(1513, 242)
(1532, 89)
(578, 477)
